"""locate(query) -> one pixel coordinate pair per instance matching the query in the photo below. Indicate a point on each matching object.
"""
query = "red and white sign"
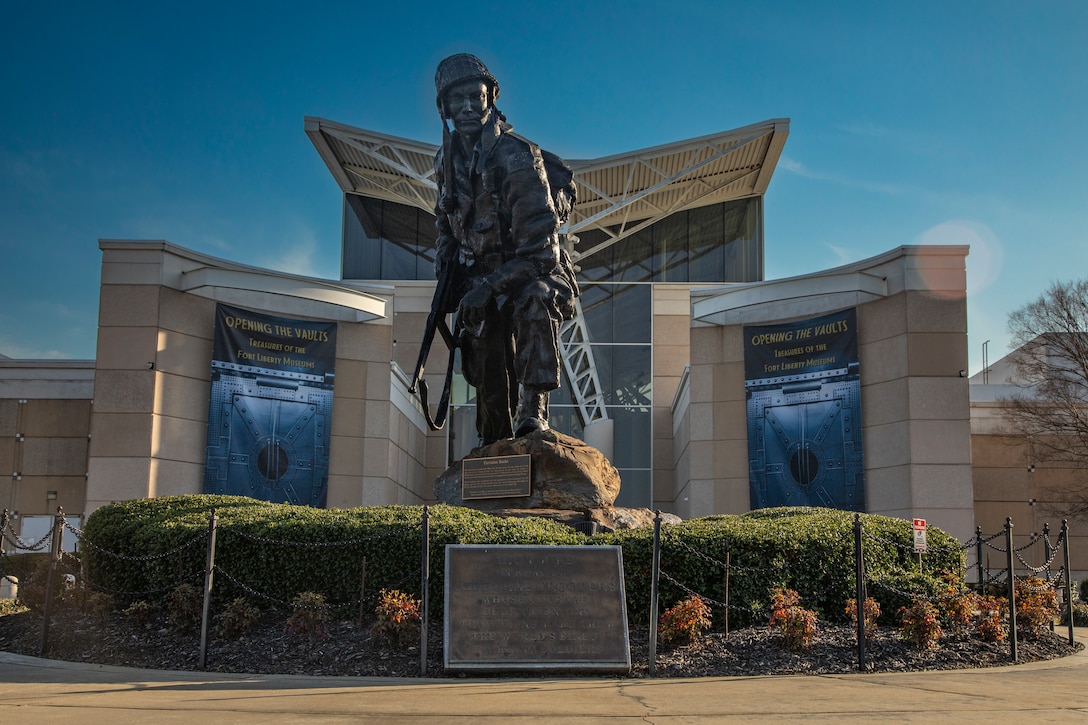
(919, 536)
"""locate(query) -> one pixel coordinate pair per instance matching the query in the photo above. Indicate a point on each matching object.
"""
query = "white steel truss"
(577, 355)
(618, 195)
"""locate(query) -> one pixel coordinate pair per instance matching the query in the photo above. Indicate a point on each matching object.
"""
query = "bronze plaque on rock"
(496, 477)
(535, 608)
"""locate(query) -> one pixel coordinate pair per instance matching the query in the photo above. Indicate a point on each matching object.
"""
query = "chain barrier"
(718, 562)
(999, 577)
(1017, 550)
(201, 537)
(1050, 583)
(196, 575)
(910, 546)
(1036, 569)
(710, 600)
(292, 605)
(1026, 546)
(319, 544)
(919, 595)
(11, 537)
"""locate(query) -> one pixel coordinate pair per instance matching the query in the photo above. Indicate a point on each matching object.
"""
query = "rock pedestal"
(565, 474)
(571, 482)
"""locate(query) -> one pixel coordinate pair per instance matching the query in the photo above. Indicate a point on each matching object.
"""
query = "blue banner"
(803, 385)
(270, 410)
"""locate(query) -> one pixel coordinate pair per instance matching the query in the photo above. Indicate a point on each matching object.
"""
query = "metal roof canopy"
(618, 195)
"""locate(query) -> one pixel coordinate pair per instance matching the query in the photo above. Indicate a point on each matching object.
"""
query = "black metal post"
(727, 556)
(978, 561)
(209, 576)
(1047, 551)
(424, 585)
(1012, 587)
(362, 592)
(859, 588)
(1068, 579)
(655, 572)
(54, 559)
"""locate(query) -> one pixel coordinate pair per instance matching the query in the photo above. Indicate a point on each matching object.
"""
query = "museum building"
(660, 363)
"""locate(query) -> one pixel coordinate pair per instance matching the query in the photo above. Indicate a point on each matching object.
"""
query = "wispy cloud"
(900, 137)
(796, 167)
(19, 351)
(842, 254)
(300, 254)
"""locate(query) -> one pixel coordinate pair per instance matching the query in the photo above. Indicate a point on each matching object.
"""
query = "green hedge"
(809, 550)
(270, 547)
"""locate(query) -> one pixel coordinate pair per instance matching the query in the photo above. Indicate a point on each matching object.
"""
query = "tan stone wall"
(717, 438)
(671, 353)
(1008, 483)
(152, 386)
(916, 409)
(915, 406)
(43, 449)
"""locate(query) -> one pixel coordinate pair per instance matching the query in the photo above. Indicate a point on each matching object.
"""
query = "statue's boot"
(532, 413)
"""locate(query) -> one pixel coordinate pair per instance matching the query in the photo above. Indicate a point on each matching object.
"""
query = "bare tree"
(1050, 410)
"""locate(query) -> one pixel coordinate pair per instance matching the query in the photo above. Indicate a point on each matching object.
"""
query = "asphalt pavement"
(39, 691)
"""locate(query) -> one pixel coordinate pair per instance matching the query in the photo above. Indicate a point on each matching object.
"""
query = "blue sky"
(911, 122)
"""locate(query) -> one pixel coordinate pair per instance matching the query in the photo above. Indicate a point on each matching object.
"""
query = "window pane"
(743, 252)
(633, 258)
(671, 237)
(636, 489)
(631, 442)
(706, 261)
(632, 310)
(362, 246)
(598, 266)
(567, 420)
(462, 425)
(629, 375)
(399, 229)
(596, 301)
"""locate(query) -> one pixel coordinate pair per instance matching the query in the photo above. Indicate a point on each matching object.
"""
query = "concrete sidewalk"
(45, 691)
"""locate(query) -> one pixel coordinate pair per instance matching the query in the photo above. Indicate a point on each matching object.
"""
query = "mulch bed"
(350, 650)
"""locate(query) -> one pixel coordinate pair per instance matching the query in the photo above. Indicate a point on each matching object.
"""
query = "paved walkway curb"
(46, 691)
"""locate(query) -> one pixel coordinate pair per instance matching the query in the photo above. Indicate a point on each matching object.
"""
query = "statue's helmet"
(457, 69)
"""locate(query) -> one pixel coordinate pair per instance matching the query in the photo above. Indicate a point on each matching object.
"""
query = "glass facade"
(709, 245)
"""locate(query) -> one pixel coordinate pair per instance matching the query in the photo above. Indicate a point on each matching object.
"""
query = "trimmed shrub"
(141, 612)
(871, 612)
(310, 616)
(809, 550)
(33, 588)
(685, 621)
(1080, 615)
(1036, 605)
(236, 619)
(920, 624)
(992, 618)
(186, 607)
(798, 625)
(957, 605)
(398, 615)
(285, 550)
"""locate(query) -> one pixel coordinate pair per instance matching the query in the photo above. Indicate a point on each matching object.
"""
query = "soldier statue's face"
(469, 105)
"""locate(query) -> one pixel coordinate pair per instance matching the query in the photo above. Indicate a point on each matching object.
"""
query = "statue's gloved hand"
(473, 309)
